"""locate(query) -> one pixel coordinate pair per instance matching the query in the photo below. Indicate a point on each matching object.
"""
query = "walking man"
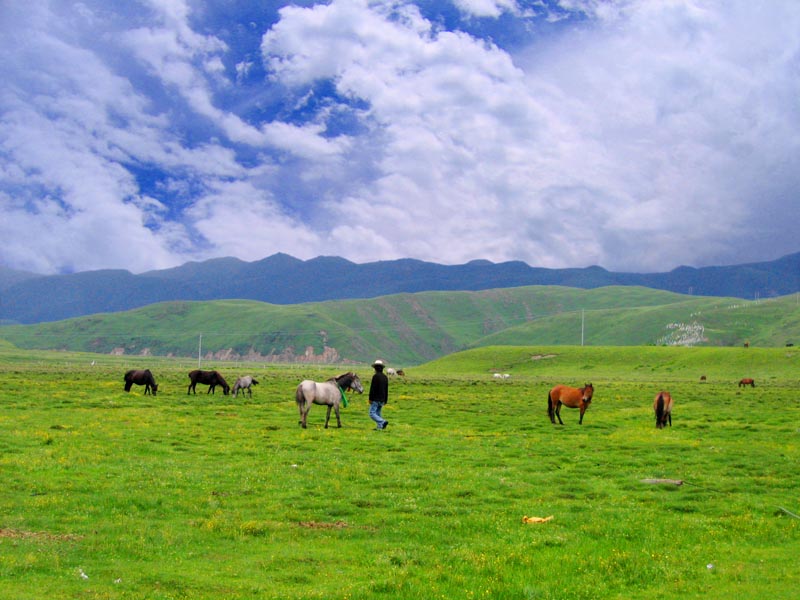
(378, 395)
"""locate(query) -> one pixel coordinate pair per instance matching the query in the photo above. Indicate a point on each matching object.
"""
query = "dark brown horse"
(568, 396)
(662, 405)
(747, 381)
(141, 377)
(210, 378)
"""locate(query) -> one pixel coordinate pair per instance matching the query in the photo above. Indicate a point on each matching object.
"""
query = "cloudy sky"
(634, 135)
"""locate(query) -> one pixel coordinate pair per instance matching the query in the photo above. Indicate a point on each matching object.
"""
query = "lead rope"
(344, 398)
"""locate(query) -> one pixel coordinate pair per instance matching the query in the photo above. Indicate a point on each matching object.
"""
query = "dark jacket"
(379, 388)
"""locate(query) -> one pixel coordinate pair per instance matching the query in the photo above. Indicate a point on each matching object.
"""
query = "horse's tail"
(550, 412)
(660, 411)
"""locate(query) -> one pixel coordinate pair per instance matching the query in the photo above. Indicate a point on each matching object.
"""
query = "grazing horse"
(568, 396)
(141, 377)
(244, 383)
(747, 381)
(210, 378)
(662, 405)
(330, 393)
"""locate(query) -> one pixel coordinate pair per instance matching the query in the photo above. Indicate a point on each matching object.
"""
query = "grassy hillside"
(602, 365)
(411, 329)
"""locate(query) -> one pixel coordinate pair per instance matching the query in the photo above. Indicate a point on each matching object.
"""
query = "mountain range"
(27, 298)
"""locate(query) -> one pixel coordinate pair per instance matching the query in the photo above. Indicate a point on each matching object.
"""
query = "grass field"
(115, 495)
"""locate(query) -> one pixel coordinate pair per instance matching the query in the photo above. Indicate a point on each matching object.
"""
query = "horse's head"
(588, 391)
(154, 388)
(355, 383)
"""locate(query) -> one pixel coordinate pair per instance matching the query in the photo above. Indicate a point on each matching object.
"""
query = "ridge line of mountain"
(282, 279)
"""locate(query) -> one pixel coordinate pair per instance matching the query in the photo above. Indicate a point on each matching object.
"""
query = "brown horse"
(747, 381)
(210, 378)
(568, 396)
(662, 405)
(141, 377)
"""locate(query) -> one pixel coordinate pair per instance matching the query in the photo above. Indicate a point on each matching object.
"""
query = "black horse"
(210, 378)
(141, 377)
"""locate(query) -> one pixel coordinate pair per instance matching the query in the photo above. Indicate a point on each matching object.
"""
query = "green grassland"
(412, 329)
(115, 495)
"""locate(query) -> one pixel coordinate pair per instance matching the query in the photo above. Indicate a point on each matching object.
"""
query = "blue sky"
(635, 135)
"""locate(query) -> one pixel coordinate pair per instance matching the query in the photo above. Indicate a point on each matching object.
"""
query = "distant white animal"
(244, 383)
(391, 371)
(501, 375)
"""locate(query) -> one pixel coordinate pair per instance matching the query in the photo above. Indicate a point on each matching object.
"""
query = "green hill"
(415, 328)
(605, 364)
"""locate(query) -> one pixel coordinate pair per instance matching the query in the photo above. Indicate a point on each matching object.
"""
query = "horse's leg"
(583, 410)
(338, 420)
(328, 415)
(558, 411)
(304, 408)
(300, 398)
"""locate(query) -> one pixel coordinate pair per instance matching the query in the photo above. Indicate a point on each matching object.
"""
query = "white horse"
(244, 383)
(329, 393)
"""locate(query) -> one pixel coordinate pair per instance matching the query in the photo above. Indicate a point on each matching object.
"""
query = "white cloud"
(642, 138)
(635, 135)
(462, 132)
(671, 111)
(487, 8)
(305, 141)
(241, 220)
